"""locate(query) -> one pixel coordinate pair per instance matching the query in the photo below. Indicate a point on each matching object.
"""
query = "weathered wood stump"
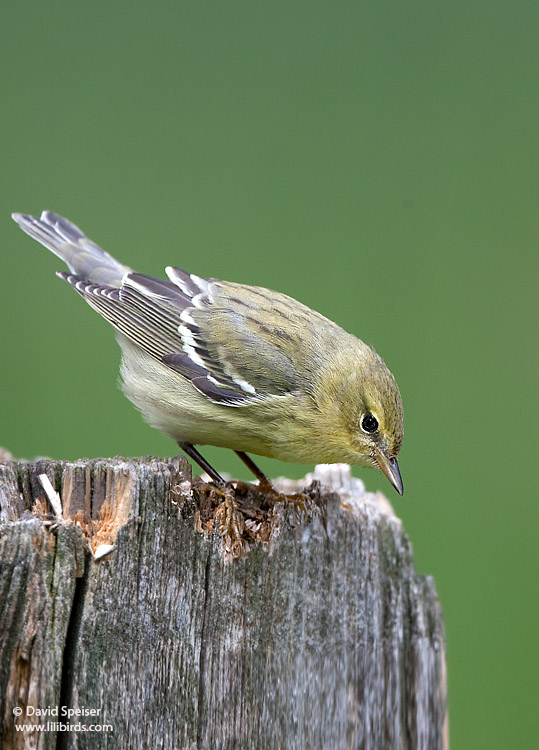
(125, 615)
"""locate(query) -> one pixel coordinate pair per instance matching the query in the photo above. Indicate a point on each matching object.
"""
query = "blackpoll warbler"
(242, 367)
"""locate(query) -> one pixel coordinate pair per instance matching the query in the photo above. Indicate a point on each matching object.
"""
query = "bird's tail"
(64, 239)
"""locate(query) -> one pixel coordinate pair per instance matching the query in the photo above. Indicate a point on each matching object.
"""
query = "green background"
(378, 161)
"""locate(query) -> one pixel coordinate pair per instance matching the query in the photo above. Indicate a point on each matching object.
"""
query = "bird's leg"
(265, 485)
(248, 461)
(231, 521)
(201, 461)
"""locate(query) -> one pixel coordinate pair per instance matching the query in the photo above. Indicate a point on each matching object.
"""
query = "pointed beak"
(390, 468)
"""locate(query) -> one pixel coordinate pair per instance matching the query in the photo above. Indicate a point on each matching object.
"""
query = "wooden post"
(125, 614)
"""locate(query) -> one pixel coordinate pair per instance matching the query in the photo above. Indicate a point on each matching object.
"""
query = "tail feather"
(82, 256)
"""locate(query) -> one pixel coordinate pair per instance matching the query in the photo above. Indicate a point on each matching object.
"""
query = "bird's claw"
(231, 525)
(243, 512)
(227, 513)
(272, 495)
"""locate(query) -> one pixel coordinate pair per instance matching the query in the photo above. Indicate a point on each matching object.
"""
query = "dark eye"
(369, 423)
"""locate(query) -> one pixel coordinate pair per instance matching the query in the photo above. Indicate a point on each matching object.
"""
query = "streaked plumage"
(242, 367)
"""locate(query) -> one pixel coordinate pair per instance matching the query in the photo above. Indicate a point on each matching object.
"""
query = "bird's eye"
(369, 423)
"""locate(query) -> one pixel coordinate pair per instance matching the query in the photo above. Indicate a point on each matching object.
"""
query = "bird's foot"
(245, 513)
(226, 513)
(231, 525)
(271, 495)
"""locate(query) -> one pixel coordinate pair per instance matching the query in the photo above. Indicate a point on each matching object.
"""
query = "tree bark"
(126, 610)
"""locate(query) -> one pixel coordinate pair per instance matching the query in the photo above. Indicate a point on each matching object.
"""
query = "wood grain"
(324, 636)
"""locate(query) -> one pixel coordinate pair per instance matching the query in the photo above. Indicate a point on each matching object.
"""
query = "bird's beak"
(390, 468)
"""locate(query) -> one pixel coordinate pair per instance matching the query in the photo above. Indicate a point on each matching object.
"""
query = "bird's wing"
(236, 344)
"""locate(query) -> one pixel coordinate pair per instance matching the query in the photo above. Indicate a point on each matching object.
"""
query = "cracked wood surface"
(322, 636)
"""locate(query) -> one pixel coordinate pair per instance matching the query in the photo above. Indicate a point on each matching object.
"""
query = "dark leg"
(231, 521)
(201, 461)
(265, 485)
(248, 461)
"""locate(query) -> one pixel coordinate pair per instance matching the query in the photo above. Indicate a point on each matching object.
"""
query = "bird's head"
(378, 425)
(369, 411)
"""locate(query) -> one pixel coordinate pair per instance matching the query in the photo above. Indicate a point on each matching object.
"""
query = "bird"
(211, 362)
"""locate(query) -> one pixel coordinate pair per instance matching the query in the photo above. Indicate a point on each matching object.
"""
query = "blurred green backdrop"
(378, 161)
